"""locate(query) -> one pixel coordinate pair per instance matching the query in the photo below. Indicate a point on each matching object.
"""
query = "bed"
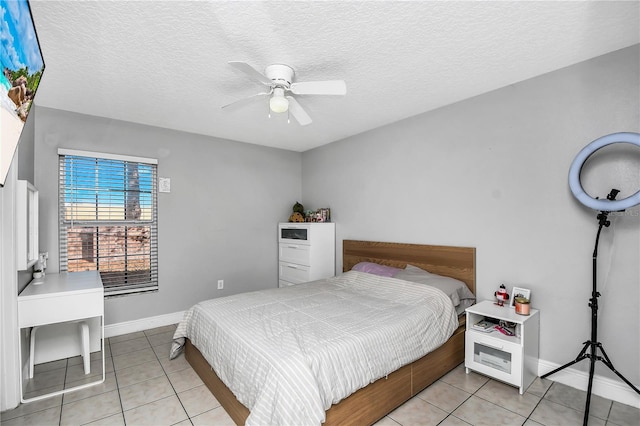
(375, 400)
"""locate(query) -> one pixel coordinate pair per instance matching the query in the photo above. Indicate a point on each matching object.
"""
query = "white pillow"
(457, 291)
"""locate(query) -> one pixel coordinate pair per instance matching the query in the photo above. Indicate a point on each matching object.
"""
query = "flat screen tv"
(22, 67)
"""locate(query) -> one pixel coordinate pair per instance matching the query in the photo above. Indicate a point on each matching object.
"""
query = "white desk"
(61, 298)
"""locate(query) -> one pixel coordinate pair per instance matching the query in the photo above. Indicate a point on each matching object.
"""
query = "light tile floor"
(143, 387)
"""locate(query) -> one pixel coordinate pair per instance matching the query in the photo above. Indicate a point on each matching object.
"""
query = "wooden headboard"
(455, 262)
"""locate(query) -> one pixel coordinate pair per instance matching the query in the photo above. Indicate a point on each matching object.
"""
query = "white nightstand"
(510, 359)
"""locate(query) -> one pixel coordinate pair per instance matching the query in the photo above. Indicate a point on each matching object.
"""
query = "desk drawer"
(65, 307)
(294, 273)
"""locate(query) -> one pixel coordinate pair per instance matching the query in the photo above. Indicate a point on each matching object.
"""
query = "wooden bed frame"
(371, 403)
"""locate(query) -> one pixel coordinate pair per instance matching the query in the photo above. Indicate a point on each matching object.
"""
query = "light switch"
(164, 185)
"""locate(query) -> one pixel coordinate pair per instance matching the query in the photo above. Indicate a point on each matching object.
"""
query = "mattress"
(288, 354)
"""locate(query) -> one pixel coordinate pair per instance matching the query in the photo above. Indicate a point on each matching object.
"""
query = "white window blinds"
(108, 219)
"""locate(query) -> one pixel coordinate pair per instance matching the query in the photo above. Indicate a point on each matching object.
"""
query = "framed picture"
(22, 69)
(519, 292)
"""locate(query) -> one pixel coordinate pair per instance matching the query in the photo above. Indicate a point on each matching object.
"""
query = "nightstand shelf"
(510, 359)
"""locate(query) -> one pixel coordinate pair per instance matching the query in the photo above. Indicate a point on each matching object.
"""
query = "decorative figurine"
(298, 213)
(501, 295)
(296, 217)
(298, 208)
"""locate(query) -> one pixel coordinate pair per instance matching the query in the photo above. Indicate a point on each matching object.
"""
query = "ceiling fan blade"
(245, 101)
(298, 112)
(329, 87)
(251, 72)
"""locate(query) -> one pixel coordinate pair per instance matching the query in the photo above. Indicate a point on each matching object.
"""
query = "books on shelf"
(484, 325)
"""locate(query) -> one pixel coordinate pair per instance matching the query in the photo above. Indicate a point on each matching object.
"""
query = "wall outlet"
(220, 284)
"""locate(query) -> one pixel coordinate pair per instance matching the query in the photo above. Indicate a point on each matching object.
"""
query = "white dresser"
(306, 252)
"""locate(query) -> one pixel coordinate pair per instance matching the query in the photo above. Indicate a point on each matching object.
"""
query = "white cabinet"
(510, 359)
(306, 252)
(26, 225)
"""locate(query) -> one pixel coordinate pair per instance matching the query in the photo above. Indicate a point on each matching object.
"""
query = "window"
(108, 219)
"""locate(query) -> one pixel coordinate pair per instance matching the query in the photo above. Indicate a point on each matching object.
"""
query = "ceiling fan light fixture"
(278, 103)
(279, 79)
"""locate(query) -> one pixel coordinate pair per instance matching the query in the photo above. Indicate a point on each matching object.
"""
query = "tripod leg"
(592, 367)
(605, 359)
(579, 358)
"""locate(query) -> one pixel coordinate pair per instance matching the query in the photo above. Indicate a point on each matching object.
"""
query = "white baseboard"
(615, 390)
(126, 327)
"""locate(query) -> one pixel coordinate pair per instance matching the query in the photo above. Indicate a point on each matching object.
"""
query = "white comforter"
(288, 354)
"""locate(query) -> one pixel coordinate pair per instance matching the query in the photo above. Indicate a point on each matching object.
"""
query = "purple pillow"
(376, 269)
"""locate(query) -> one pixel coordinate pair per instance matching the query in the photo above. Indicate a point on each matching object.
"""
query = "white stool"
(83, 327)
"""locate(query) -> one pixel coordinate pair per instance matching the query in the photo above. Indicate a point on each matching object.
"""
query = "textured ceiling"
(164, 63)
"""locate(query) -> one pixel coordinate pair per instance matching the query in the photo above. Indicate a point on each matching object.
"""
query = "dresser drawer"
(294, 273)
(306, 233)
(295, 253)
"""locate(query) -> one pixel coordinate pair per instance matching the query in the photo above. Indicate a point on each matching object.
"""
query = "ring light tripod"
(591, 347)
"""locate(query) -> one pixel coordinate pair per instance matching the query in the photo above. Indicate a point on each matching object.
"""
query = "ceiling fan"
(280, 89)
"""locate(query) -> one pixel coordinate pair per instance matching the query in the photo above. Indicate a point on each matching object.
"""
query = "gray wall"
(491, 172)
(218, 222)
(26, 149)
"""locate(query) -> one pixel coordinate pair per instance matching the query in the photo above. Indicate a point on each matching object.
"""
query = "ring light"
(592, 346)
(576, 168)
